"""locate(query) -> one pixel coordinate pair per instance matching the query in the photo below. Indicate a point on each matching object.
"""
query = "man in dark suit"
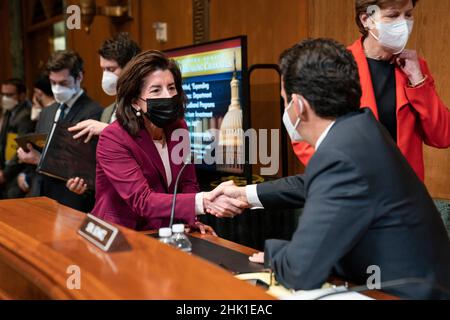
(364, 207)
(65, 70)
(17, 122)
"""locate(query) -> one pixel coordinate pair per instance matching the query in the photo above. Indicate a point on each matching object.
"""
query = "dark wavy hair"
(325, 73)
(120, 48)
(132, 80)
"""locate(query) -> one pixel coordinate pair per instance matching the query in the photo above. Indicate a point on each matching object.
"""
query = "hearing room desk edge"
(41, 253)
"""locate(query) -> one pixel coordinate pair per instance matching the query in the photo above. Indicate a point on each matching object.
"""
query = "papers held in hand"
(37, 140)
(64, 157)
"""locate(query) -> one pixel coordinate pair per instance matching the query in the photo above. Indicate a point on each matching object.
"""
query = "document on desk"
(280, 292)
(340, 294)
(275, 290)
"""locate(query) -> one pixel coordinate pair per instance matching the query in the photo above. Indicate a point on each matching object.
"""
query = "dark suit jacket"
(363, 206)
(131, 184)
(16, 121)
(107, 113)
(83, 109)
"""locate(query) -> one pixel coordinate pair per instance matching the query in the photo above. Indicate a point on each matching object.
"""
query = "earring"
(138, 111)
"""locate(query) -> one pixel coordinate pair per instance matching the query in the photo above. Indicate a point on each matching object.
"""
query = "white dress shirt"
(72, 101)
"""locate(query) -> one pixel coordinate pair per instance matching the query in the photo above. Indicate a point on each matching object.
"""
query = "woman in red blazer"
(397, 85)
(136, 173)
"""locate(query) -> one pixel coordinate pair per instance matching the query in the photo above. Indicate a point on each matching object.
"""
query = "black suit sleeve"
(336, 214)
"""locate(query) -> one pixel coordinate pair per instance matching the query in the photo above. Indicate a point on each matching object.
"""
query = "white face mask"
(393, 36)
(35, 112)
(292, 128)
(9, 103)
(109, 83)
(63, 94)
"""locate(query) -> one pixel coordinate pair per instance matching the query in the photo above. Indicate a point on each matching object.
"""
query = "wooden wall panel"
(5, 57)
(333, 19)
(178, 16)
(433, 43)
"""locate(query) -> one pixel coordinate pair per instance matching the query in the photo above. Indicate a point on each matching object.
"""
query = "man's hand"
(88, 127)
(2, 177)
(226, 201)
(76, 185)
(257, 258)
(22, 183)
(31, 157)
(409, 62)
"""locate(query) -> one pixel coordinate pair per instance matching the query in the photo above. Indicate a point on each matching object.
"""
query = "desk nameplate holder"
(102, 234)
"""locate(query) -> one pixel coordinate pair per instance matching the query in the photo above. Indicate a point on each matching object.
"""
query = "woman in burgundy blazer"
(132, 186)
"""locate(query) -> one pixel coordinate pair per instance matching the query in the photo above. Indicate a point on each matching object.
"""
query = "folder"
(11, 146)
(64, 157)
(37, 140)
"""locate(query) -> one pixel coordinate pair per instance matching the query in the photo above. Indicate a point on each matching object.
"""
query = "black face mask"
(163, 112)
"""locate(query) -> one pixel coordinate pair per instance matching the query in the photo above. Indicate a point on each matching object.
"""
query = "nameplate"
(98, 232)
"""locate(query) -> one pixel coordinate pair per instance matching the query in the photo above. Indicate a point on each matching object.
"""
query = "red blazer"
(422, 117)
(131, 184)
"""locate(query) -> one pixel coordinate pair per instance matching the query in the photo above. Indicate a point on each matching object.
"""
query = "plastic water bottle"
(180, 239)
(165, 236)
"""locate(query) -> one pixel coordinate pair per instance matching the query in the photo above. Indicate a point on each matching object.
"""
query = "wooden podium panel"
(39, 244)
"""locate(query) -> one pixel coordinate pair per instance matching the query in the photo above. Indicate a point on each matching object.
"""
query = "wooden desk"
(39, 241)
(375, 294)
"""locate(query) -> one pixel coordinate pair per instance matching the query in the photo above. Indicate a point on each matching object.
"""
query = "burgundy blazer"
(131, 184)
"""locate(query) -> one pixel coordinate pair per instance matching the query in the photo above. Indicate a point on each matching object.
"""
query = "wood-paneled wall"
(5, 56)
(271, 27)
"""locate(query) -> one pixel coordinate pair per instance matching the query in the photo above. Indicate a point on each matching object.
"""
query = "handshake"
(226, 201)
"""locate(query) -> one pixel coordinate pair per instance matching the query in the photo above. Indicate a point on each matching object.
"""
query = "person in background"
(42, 98)
(364, 206)
(16, 122)
(136, 173)
(114, 53)
(397, 85)
(66, 72)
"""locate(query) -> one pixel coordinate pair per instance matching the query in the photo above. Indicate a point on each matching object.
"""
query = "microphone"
(385, 285)
(50, 136)
(186, 161)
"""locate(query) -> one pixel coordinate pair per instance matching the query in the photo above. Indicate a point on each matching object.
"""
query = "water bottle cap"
(165, 232)
(178, 228)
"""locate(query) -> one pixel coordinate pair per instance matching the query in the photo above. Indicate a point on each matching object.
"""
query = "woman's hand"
(409, 62)
(76, 185)
(203, 228)
(257, 258)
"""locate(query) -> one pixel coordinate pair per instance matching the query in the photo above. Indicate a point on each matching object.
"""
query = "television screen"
(215, 82)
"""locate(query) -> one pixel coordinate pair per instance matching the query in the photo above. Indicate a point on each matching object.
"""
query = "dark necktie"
(63, 108)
